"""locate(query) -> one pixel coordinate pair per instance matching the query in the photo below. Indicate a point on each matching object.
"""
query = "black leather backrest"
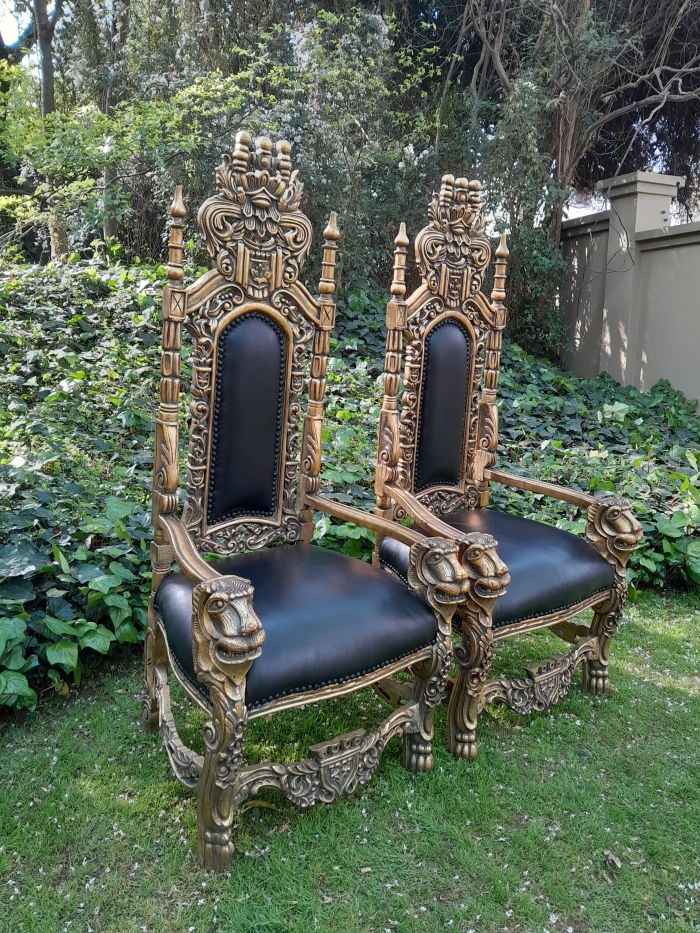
(248, 419)
(445, 391)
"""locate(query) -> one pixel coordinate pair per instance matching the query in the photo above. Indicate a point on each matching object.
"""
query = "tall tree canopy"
(538, 98)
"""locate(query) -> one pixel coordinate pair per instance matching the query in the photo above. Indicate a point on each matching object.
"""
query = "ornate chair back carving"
(447, 430)
(252, 321)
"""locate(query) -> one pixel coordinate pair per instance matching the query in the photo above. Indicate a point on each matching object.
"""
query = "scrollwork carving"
(253, 227)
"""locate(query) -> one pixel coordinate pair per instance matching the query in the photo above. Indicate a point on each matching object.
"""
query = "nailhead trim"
(285, 693)
(417, 486)
(220, 360)
(506, 622)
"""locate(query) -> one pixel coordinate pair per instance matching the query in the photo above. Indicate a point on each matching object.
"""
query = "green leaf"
(64, 653)
(17, 591)
(99, 639)
(58, 626)
(104, 583)
(116, 509)
(14, 685)
(60, 557)
(87, 572)
(10, 629)
(20, 560)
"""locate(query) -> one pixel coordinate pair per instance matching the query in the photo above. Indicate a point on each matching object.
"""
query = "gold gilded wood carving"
(258, 238)
(452, 254)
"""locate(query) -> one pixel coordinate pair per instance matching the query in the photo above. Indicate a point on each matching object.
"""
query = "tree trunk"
(45, 28)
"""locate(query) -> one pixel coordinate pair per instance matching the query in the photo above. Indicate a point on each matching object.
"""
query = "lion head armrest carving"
(449, 574)
(227, 635)
(614, 532)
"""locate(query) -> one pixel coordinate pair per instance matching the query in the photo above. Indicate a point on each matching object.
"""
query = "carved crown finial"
(253, 227)
(452, 251)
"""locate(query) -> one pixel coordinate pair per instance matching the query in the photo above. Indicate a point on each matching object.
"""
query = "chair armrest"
(581, 499)
(368, 520)
(187, 556)
(421, 515)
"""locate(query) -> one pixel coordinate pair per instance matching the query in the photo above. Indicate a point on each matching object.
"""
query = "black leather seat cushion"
(327, 618)
(550, 569)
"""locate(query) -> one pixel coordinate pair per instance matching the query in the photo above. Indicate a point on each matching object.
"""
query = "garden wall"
(631, 299)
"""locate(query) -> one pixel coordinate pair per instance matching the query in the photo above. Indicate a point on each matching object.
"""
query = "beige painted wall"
(585, 247)
(668, 298)
(631, 300)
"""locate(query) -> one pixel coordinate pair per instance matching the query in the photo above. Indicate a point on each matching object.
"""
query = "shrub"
(77, 396)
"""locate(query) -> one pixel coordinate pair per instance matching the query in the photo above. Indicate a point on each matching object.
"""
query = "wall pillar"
(638, 201)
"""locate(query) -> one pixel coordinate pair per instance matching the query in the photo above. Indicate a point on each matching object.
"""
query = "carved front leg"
(227, 636)
(437, 574)
(488, 578)
(154, 654)
(614, 532)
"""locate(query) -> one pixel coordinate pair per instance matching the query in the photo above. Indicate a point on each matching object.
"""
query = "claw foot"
(215, 850)
(463, 745)
(595, 680)
(417, 754)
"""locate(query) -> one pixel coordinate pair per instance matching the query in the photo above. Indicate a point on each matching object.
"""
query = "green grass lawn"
(586, 818)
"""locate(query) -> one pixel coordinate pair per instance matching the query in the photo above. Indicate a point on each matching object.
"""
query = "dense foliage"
(538, 100)
(77, 395)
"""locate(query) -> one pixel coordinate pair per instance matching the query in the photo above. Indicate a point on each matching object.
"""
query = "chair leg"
(430, 684)
(473, 657)
(154, 653)
(224, 736)
(605, 626)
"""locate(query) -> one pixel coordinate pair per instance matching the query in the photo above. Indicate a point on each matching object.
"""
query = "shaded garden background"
(104, 107)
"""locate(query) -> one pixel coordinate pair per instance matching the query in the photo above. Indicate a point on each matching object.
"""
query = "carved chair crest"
(452, 332)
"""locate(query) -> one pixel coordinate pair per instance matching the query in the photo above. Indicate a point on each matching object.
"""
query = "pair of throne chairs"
(274, 622)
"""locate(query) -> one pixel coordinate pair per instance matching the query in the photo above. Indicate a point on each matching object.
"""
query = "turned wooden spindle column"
(166, 457)
(488, 410)
(313, 421)
(387, 470)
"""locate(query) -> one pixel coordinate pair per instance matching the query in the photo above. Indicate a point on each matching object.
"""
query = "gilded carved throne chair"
(272, 622)
(436, 459)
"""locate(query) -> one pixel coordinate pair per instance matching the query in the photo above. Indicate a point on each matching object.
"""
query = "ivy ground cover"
(77, 395)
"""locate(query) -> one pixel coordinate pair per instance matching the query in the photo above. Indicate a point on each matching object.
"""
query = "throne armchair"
(273, 622)
(436, 459)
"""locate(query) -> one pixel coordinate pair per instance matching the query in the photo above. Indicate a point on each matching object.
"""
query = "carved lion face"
(227, 634)
(437, 567)
(489, 574)
(618, 525)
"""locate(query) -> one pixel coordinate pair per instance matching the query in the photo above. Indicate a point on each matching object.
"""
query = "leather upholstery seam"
(523, 618)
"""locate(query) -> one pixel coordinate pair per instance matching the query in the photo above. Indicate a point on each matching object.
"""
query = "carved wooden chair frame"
(258, 238)
(452, 254)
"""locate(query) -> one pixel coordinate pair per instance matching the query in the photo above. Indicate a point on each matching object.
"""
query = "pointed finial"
(331, 232)
(498, 294)
(177, 208)
(398, 283)
(173, 268)
(331, 235)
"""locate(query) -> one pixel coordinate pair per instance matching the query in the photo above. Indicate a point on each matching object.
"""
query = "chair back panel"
(252, 323)
(442, 406)
(448, 426)
(250, 397)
